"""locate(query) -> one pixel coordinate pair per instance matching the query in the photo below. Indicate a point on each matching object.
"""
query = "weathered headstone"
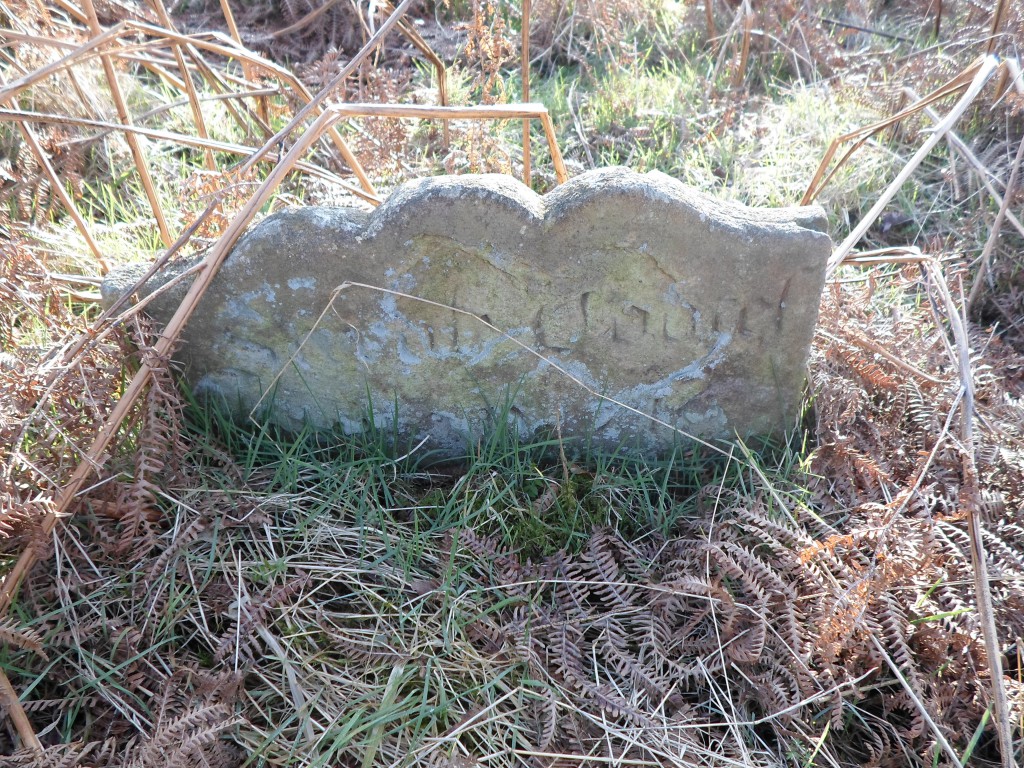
(616, 288)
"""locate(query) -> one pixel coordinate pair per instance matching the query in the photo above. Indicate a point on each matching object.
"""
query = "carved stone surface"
(615, 288)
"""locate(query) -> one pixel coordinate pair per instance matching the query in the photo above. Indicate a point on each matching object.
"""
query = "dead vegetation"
(180, 591)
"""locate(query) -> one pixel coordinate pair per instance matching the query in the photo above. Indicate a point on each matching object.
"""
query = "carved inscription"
(615, 289)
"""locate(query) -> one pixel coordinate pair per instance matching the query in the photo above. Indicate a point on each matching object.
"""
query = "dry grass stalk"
(483, 112)
(440, 70)
(311, 169)
(972, 507)
(189, 86)
(229, 19)
(997, 226)
(723, 49)
(972, 497)
(302, 23)
(525, 64)
(96, 454)
(998, 14)
(57, 185)
(740, 72)
(280, 73)
(15, 87)
(314, 104)
(861, 135)
(109, 319)
(984, 72)
(141, 162)
(940, 738)
(872, 346)
(9, 701)
(983, 173)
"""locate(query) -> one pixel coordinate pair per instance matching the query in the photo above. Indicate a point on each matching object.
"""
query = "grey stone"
(615, 289)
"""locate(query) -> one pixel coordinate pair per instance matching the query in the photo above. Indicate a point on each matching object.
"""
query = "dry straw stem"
(96, 454)
(709, 19)
(282, 74)
(441, 72)
(909, 689)
(250, 75)
(983, 72)
(525, 63)
(186, 79)
(748, 27)
(982, 590)
(983, 173)
(997, 226)
(998, 14)
(305, 21)
(109, 319)
(871, 346)
(314, 104)
(17, 86)
(9, 701)
(482, 112)
(57, 185)
(861, 135)
(7, 115)
(724, 50)
(141, 164)
(190, 45)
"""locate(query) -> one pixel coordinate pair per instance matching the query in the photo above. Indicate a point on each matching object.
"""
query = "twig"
(141, 163)
(315, 103)
(9, 700)
(985, 71)
(525, 65)
(96, 454)
(481, 112)
(932, 725)
(997, 226)
(982, 590)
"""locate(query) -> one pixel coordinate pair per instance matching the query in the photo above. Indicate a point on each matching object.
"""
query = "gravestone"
(623, 308)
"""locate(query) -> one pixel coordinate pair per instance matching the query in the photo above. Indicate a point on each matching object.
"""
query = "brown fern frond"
(21, 637)
(870, 372)
(184, 737)
(254, 613)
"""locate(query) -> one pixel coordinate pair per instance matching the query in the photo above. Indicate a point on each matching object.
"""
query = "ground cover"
(217, 594)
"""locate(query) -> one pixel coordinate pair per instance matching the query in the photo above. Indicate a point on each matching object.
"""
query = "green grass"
(386, 633)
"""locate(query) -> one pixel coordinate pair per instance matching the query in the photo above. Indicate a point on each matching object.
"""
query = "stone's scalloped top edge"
(557, 204)
(590, 187)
